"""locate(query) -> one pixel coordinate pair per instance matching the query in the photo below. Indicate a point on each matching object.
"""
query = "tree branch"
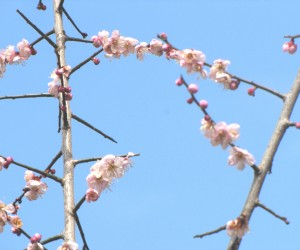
(75, 117)
(25, 96)
(210, 232)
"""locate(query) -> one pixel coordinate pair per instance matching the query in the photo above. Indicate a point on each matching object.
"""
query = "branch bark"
(266, 163)
(68, 179)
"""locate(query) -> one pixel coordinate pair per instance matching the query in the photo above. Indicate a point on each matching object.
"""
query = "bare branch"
(25, 96)
(42, 37)
(85, 246)
(37, 29)
(85, 61)
(83, 34)
(75, 117)
(210, 232)
(284, 219)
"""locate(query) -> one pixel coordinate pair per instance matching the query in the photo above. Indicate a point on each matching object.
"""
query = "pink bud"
(203, 104)
(68, 89)
(251, 91)
(163, 36)
(63, 108)
(61, 89)
(297, 124)
(96, 60)
(96, 41)
(193, 88)
(234, 84)
(59, 71)
(84, 34)
(179, 81)
(207, 118)
(166, 47)
(69, 96)
(52, 171)
(44, 7)
(190, 100)
(8, 161)
(33, 51)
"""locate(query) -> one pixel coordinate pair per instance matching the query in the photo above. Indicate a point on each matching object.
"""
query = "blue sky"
(180, 186)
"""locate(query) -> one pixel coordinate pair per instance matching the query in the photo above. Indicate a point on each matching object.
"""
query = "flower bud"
(203, 104)
(193, 88)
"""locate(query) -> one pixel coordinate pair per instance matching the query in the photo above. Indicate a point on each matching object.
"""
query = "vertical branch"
(68, 179)
(266, 163)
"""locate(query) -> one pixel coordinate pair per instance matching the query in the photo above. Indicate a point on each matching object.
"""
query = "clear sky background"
(180, 186)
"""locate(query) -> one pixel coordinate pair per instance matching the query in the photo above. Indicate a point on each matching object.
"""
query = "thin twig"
(92, 127)
(292, 37)
(37, 29)
(53, 177)
(83, 34)
(42, 37)
(210, 232)
(85, 245)
(59, 154)
(78, 205)
(85, 61)
(76, 162)
(60, 6)
(25, 96)
(73, 39)
(19, 199)
(53, 238)
(284, 219)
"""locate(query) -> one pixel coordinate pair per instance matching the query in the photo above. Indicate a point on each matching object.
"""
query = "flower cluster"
(55, 83)
(34, 186)
(218, 72)
(68, 245)
(220, 133)
(224, 135)
(289, 47)
(11, 56)
(35, 243)
(237, 227)
(14, 221)
(103, 172)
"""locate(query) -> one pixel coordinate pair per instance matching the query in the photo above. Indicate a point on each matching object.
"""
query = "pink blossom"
(35, 246)
(15, 221)
(91, 195)
(2, 161)
(224, 134)
(96, 41)
(289, 47)
(240, 157)
(141, 50)
(24, 49)
(156, 47)
(11, 56)
(237, 227)
(218, 72)
(192, 60)
(36, 187)
(68, 245)
(207, 128)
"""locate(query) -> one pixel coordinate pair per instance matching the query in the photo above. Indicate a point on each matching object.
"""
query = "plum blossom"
(2, 161)
(141, 50)
(156, 47)
(192, 60)
(240, 157)
(115, 45)
(103, 172)
(68, 245)
(218, 72)
(2, 64)
(237, 227)
(53, 86)
(36, 188)
(15, 221)
(24, 49)
(224, 134)
(11, 55)
(35, 246)
(289, 47)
